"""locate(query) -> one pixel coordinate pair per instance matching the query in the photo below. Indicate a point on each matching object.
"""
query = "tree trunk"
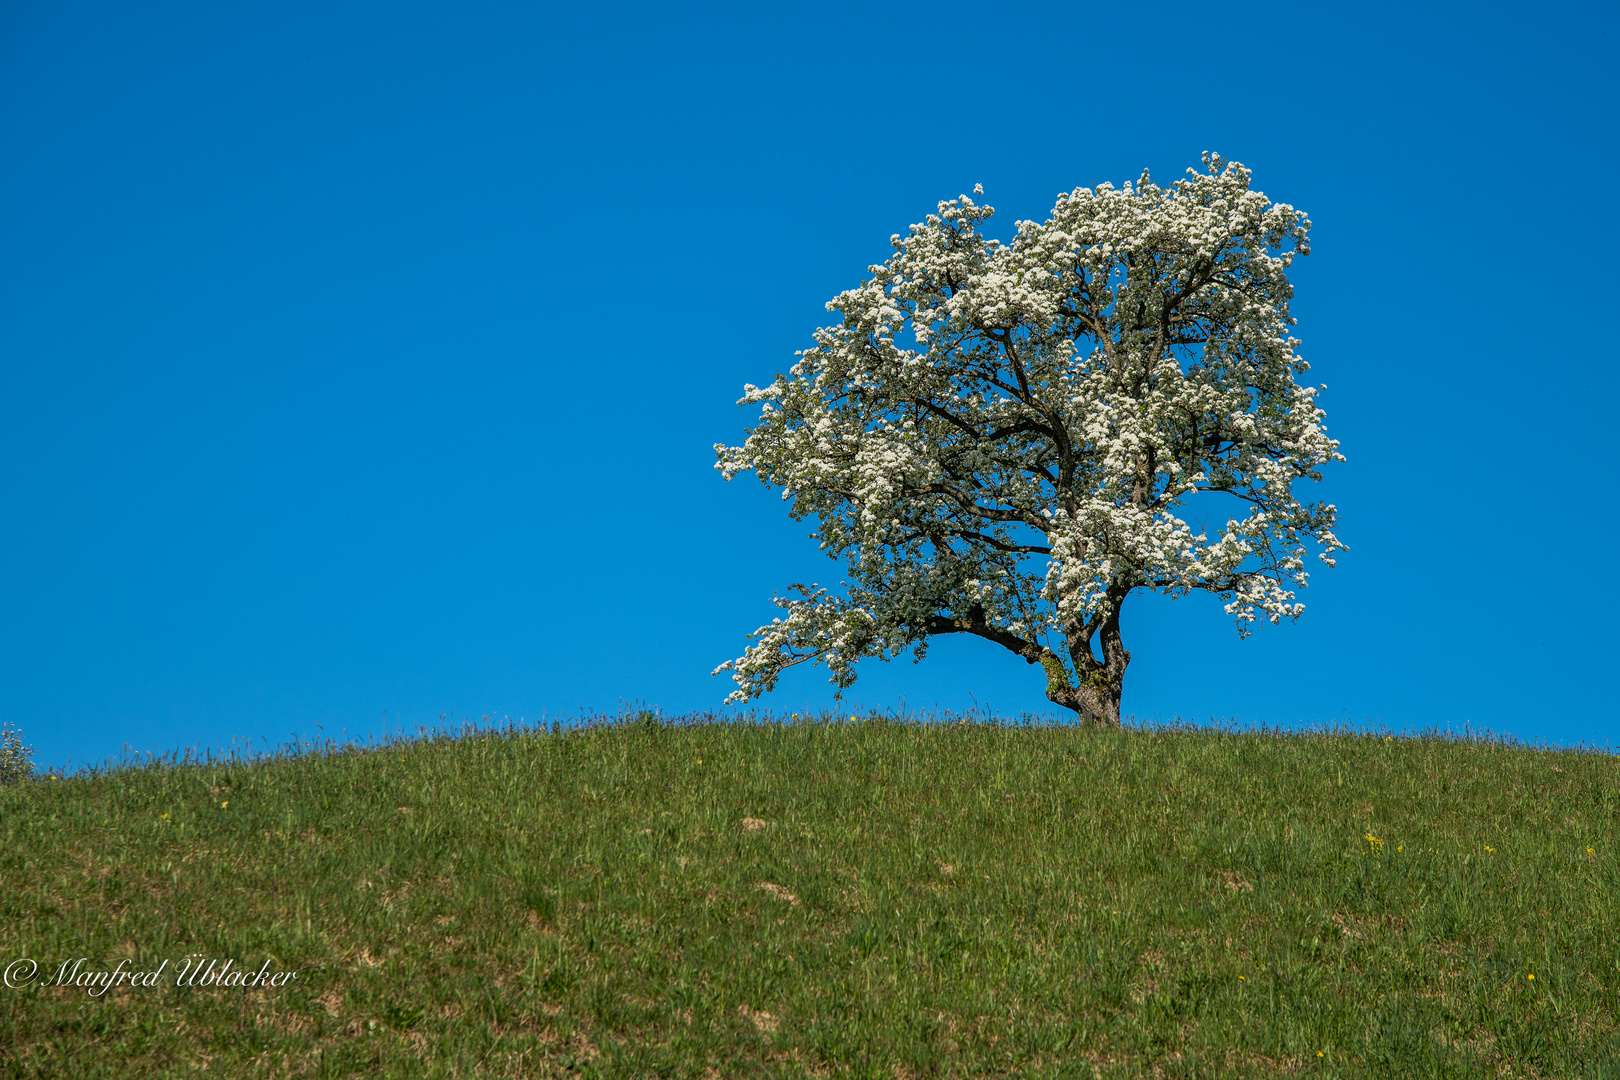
(1102, 684)
(1098, 700)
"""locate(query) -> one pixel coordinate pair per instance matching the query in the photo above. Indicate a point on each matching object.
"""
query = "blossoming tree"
(1007, 440)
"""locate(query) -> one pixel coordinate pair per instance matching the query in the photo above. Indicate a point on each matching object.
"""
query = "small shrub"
(16, 760)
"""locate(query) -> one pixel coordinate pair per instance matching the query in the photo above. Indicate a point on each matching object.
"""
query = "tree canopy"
(1008, 439)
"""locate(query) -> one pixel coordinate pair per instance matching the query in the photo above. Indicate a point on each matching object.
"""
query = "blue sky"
(362, 362)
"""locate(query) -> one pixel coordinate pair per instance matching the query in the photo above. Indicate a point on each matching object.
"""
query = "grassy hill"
(822, 898)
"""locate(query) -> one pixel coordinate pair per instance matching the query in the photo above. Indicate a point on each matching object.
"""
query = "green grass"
(831, 899)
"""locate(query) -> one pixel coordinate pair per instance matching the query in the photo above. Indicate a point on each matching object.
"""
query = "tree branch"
(976, 625)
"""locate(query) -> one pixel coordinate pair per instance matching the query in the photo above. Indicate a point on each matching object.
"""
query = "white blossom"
(1009, 439)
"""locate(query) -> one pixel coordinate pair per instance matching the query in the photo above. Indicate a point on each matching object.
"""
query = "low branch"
(977, 625)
